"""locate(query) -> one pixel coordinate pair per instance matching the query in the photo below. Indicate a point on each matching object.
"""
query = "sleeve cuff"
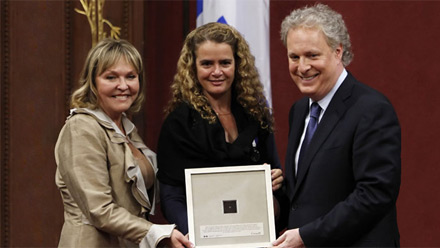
(156, 234)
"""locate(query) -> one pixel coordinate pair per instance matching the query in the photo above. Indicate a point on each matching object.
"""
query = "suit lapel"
(297, 116)
(332, 115)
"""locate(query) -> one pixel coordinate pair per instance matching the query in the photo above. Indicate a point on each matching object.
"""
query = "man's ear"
(339, 51)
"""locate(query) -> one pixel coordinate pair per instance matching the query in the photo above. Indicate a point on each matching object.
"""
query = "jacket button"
(294, 206)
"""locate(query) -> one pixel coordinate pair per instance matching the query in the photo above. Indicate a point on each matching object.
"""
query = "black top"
(189, 141)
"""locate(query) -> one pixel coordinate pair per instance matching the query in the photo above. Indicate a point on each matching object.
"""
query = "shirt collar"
(325, 101)
(105, 120)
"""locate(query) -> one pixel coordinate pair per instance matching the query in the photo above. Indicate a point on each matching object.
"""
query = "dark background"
(44, 44)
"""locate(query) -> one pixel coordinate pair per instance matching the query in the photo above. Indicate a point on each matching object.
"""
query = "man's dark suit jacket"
(348, 181)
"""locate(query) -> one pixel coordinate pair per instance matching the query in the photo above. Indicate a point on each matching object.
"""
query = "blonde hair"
(101, 57)
(247, 88)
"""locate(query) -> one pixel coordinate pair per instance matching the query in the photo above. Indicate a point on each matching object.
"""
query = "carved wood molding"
(5, 130)
(68, 55)
(125, 19)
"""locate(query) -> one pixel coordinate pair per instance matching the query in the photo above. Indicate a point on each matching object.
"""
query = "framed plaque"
(230, 206)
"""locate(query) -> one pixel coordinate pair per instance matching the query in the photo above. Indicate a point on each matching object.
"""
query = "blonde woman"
(218, 115)
(105, 173)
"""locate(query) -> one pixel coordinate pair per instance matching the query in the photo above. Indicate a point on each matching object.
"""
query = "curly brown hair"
(247, 87)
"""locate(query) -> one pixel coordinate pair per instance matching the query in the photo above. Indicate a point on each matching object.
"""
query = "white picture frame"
(230, 206)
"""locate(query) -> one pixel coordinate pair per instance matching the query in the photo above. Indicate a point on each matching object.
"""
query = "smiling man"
(342, 169)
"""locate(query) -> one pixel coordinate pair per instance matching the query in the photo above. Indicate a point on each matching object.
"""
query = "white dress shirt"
(323, 103)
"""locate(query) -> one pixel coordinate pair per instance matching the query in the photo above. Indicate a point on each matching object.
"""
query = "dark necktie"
(315, 110)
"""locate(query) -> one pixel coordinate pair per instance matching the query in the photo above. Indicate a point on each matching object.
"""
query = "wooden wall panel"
(396, 49)
(43, 48)
(4, 123)
(163, 42)
(36, 94)
(165, 28)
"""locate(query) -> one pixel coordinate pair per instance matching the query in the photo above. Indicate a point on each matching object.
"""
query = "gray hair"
(327, 20)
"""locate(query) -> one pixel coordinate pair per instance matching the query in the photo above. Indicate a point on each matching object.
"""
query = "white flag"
(251, 19)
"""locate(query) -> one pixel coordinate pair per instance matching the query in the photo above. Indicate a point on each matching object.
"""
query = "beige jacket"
(102, 188)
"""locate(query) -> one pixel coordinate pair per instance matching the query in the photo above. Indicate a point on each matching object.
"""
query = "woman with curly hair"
(218, 115)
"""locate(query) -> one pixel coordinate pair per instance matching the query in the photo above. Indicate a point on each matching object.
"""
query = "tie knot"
(315, 110)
